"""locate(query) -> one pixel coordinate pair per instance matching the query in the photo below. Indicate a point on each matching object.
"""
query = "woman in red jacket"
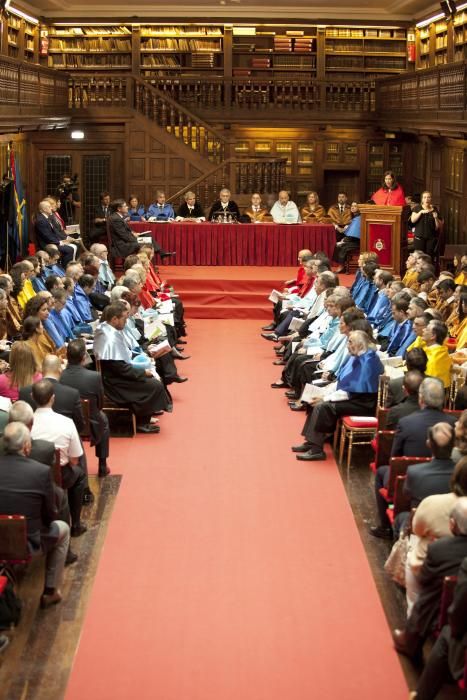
(391, 193)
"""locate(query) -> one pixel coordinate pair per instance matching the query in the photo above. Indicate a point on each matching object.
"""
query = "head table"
(239, 244)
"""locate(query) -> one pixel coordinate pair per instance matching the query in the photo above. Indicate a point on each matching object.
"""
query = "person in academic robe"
(355, 393)
(313, 212)
(123, 383)
(191, 208)
(256, 212)
(224, 207)
(439, 362)
(105, 274)
(391, 193)
(340, 215)
(37, 339)
(284, 211)
(136, 211)
(410, 279)
(160, 210)
(351, 240)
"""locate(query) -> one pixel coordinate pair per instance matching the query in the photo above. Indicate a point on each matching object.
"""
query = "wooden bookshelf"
(368, 53)
(90, 48)
(20, 39)
(273, 51)
(382, 156)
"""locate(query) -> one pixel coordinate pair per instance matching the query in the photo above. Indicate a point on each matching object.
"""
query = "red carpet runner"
(230, 570)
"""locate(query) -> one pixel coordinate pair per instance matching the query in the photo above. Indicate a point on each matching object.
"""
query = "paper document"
(296, 323)
(275, 296)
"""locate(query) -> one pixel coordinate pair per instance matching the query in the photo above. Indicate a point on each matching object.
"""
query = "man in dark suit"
(89, 384)
(447, 658)
(124, 240)
(26, 488)
(409, 403)
(101, 213)
(68, 403)
(411, 441)
(224, 207)
(46, 233)
(432, 477)
(444, 557)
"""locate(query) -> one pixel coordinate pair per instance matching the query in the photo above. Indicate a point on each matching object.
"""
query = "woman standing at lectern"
(391, 193)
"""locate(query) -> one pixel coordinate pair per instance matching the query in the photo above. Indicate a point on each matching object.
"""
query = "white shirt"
(287, 214)
(52, 426)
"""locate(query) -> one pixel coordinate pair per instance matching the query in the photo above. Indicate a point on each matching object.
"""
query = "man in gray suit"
(26, 488)
(89, 385)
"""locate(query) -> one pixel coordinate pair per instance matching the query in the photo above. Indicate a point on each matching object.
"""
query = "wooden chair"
(351, 262)
(401, 502)
(357, 430)
(57, 469)
(383, 391)
(384, 440)
(115, 262)
(447, 595)
(14, 548)
(85, 434)
(457, 381)
(398, 467)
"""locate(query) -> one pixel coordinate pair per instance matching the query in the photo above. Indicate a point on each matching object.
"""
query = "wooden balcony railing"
(226, 97)
(27, 88)
(241, 175)
(435, 93)
(156, 105)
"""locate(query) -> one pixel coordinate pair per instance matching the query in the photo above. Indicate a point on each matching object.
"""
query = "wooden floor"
(37, 663)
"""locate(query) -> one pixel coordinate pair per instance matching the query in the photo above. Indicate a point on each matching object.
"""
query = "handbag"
(394, 565)
(10, 604)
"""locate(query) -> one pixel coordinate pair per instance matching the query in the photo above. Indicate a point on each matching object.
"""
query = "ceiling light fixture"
(20, 13)
(426, 22)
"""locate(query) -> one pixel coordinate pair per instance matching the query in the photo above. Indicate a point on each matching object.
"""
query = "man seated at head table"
(313, 212)
(224, 206)
(284, 211)
(257, 212)
(191, 209)
(160, 210)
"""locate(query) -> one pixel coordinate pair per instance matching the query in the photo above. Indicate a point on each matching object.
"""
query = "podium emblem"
(379, 245)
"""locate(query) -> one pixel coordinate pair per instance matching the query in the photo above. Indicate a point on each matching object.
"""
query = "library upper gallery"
(332, 10)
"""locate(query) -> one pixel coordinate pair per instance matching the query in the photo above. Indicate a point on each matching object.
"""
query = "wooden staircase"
(208, 149)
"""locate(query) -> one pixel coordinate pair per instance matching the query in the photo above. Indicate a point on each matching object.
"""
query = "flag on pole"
(18, 237)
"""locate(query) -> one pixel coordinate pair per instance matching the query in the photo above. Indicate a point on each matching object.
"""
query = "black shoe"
(71, 557)
(301, 448)
(103, 471)
(181, 342)
(269, 336)
(291, 395)
(148, 428)
(279, 362)
(180, 380)
(169, 408)
(181, 357)
(88, 497)
(383, 533)
(78, 530)
(268, 328)
(168, 255)
(311, 456)
(278, 385)
(295, 407)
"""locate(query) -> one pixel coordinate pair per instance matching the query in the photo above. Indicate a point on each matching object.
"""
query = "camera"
(68, 186)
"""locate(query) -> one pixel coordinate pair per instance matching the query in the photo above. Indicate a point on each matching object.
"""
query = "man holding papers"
(355, 393)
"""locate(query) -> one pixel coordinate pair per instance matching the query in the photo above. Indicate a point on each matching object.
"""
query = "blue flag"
(18, 224)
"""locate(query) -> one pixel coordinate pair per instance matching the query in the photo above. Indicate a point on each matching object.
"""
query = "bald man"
(284, 211)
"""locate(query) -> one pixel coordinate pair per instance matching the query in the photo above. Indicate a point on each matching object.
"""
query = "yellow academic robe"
(439, 363)
(26, 293)
(461, 278)
(417, 343)
(462, 335)
(410, 280)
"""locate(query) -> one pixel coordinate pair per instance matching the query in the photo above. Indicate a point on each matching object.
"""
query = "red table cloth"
(239, 244)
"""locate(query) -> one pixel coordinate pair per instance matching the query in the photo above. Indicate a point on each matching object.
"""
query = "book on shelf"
(180, 31)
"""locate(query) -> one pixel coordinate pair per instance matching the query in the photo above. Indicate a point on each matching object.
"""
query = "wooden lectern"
(384, 231)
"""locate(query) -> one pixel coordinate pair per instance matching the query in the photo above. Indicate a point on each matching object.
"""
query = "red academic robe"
(393, 198)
